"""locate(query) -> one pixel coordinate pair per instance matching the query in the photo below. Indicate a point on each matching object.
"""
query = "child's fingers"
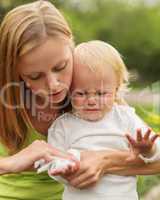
(153, 138)
(147, 134)
(72, 157)
(71, 169)
(55, 172)
(131, 140)
(139, 135)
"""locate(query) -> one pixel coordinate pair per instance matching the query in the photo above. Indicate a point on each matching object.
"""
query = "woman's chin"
(57, 99)
(46, 100)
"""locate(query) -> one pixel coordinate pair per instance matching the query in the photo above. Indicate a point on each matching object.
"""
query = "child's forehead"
(93, 81)
(83, 73)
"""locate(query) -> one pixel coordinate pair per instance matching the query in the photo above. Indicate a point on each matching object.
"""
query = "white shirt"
(71, 132)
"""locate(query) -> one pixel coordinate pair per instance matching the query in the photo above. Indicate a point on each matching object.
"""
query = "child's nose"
(92, 100)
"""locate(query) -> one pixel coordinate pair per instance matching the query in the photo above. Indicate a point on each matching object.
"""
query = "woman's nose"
(52, 82)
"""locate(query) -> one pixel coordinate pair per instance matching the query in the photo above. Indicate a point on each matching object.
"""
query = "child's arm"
(59, 166)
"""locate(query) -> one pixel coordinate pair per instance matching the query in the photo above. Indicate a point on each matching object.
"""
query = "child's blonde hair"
(23, 29)
(97, 55)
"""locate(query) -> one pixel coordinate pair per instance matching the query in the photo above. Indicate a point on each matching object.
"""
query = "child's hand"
(66, 170)
(142, 145)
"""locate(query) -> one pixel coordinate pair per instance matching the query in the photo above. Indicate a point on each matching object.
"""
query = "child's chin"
(94, 117)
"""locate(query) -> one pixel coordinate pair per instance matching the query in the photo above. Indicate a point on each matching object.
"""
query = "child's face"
(93, 92)
(47, 69)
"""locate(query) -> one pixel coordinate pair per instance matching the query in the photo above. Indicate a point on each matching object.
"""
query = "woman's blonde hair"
(97, 55)
(23, 29)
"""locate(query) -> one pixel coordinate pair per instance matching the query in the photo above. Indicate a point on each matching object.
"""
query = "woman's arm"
(24, 159)
(3, 166)
(120, 165)
(95, 164)
(146, 169)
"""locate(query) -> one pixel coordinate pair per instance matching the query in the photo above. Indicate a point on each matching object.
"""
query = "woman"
(36, 69)
(35, 74)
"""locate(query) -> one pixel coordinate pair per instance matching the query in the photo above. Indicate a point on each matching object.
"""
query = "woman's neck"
(42, 117)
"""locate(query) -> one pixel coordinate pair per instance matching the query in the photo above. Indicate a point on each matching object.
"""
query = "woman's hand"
(24, 160)
(92, 166)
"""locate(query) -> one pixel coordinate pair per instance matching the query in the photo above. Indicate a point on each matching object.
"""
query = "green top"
(28, 185)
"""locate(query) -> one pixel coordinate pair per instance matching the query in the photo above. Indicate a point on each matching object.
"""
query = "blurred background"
(133, 27)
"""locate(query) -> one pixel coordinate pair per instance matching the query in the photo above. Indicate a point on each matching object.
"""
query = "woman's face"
(47, 69)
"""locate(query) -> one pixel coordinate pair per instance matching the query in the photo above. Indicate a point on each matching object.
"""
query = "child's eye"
(81, 94)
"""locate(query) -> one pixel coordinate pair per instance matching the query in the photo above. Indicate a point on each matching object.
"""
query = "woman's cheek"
(66, 76)
(38, 89)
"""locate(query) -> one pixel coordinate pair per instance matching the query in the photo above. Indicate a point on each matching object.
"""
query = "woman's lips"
(55, 94)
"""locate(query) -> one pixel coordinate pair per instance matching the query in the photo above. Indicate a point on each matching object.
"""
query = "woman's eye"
(34, 76)
(59, 68)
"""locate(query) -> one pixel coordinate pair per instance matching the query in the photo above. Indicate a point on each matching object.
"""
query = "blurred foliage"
(145, 183)
(149, 117)
(132, 26)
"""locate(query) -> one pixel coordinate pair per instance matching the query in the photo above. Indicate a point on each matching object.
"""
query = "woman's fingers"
(48, 157)
(86, 180)
(79, 179)
(87, 184)
(71, 177)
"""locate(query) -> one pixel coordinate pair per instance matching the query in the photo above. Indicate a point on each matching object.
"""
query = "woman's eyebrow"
(55, 65)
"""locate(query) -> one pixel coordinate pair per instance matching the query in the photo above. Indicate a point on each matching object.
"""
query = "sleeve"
(57, 138)
(56, 135)
(135, 122)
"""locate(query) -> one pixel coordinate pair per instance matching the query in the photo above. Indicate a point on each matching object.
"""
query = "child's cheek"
(78, 103)
(107, 101)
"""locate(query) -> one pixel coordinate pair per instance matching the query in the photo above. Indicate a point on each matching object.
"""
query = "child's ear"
(117, 88)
